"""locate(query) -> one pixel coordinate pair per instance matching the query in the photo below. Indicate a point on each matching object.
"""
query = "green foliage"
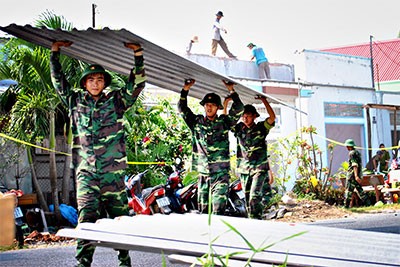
(313, 181)
(155, 134)
(282, 154)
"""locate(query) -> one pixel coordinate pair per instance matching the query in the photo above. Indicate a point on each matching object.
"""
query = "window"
(343, 110)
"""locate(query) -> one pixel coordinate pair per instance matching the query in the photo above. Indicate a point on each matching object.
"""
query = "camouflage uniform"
(210, 157)
(351, 183)
(252, 162)
(383, 161)
(99, 155)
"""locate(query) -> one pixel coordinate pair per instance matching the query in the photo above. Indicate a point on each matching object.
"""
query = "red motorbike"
(147, 201)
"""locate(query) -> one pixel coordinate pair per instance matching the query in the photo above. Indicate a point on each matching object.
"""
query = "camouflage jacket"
(251, 145)
(354, 160)
(210, 138)
(97, 126)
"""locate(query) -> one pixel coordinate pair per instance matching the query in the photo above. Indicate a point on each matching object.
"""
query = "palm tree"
(27, 116)
(33, 115)
(71, 66)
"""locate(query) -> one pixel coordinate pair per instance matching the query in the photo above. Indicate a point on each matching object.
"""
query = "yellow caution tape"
(29, 144)
(363, 148)
(67, 154)
(149, 163)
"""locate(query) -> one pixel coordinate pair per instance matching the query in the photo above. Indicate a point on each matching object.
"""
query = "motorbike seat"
(147, 191)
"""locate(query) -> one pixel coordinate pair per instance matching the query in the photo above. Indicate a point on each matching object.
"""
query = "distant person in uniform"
(217, 38)
(384, 161)
(195, 39)
(210, 157)
(261, 61)
(373, 163)
(354, 175)
(99, 150)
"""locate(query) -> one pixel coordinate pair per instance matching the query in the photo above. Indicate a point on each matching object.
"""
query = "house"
(333, 94)
(385, 58)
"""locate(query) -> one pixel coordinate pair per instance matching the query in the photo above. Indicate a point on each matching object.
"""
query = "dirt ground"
(311, 211)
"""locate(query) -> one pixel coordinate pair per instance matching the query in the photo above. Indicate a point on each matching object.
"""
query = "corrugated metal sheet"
(190, 234)
(385, 54)
(164, 68)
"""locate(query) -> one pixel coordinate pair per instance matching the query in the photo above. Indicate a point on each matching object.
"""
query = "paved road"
(64, 256)
(104, 257)
(384, 222)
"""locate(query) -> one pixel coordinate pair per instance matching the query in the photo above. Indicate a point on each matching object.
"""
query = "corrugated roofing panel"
(385, 54)
(163, 68)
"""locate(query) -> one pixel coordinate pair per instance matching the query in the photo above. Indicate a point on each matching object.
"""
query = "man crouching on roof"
(99, 154)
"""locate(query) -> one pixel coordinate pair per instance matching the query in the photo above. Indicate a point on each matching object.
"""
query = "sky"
(281, 27)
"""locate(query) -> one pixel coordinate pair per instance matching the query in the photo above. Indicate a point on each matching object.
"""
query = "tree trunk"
(67, 169)
(35, 182)
(53, 168)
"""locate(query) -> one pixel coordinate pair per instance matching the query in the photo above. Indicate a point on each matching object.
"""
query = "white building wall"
(338, 79)
(317, 118)
(336, 69)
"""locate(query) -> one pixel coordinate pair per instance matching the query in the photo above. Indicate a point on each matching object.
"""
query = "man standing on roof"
(99, 155)
(210, 157)
(217, 38)
(261, 61)
(354, 175)
(252, 157)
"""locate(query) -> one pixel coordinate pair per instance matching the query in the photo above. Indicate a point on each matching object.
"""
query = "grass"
(371, 209)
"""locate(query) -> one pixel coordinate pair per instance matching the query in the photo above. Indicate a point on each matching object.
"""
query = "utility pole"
(94, 15)
(372, 60)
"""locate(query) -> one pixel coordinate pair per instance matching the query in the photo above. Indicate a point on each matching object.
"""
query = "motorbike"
(146, 201)
(184, 198)
(236, 205)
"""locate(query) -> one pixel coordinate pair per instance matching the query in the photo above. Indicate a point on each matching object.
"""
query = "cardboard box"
(7, 225)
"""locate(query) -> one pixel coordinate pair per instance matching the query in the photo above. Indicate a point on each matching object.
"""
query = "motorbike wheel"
(241, 210)
(165, 210)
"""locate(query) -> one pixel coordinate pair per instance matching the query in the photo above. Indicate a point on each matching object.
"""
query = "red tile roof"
(385, 54)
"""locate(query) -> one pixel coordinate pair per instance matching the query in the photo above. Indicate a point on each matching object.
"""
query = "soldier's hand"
(134, 46)
(229, 85)
(260, 97)
(57, 44)
(188, 84)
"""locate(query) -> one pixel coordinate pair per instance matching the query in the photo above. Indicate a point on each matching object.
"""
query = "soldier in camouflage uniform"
(211, 145)
(252, 158)
(99, 155)
(354, 174)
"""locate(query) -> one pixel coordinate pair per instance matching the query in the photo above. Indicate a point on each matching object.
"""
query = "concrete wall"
(243, 69)
(336, 69)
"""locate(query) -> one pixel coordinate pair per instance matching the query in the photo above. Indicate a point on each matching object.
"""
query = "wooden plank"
(189, 235)
(163, 67)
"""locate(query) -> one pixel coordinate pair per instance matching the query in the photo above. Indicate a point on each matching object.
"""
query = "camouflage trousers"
(100, 195)
(255, 183)
(218, 186)
(267, 193)
(352, 184)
